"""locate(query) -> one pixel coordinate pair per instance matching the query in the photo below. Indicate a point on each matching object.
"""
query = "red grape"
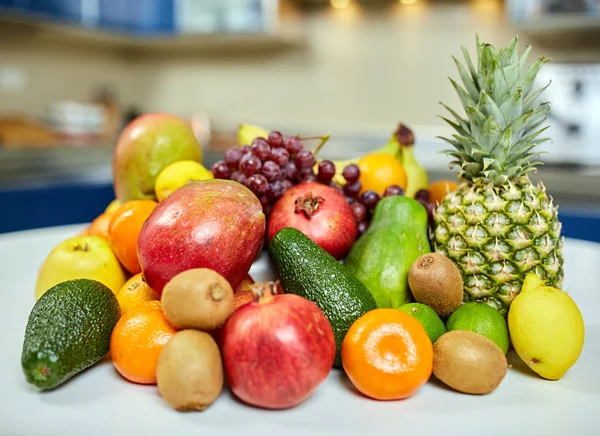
(245, 149)
(351, 173)
(290, 170)
(369, 199)
(250, 164)
(258, 184)
(235, 176)
(423, 194)
(362, 227)
(261, 149)
(352, 189)
(305, 158)
(276, 190)
(280, 156)
(430, 210)
(393, 190)
(306, 171)
(275, 139)
(221, 170)
(309, 178)
(264, 200)
(287, 183)
(349, 200)
(326, 171)
(292, 144)
(271, 170)
(232, 157)
(360, 211)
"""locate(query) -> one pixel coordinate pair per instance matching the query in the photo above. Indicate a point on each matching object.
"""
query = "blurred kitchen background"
(74, 72)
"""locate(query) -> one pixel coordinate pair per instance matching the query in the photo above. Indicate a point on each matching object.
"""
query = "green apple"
(146, 146)
(88, 257)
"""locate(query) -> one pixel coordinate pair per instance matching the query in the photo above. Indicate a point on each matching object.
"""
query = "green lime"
(483, 319)
(427, 317)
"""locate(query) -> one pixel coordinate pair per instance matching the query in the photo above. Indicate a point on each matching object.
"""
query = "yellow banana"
(415, 174)
(247, 133)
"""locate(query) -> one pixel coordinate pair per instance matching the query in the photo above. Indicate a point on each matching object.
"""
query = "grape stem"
(323, 139)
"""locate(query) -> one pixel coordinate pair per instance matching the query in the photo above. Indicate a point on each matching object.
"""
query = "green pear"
(146, 146)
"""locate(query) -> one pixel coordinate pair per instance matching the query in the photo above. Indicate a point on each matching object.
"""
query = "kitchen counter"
(70, 185)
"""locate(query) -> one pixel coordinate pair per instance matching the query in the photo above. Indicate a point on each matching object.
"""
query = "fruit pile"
(437, 278)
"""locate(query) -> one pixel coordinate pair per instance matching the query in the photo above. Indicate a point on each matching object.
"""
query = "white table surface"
(100, 402)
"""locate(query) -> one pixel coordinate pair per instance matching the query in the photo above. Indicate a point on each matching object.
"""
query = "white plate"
(100, 402)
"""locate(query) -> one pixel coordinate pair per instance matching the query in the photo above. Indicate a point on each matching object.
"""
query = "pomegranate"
(277, 349)
(320, 212)
(215, 224)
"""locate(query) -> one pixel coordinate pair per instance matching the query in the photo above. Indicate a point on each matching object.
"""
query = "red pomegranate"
(320, 212)
(277, 350)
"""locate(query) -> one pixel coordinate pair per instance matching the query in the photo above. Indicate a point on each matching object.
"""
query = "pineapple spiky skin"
(498, 226)
(497, 235)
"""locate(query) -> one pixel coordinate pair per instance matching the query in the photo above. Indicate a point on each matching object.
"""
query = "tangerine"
(134, 293)
(387, 354)
(137, 340)
(124, 231)
(99, 227)
(380, 170)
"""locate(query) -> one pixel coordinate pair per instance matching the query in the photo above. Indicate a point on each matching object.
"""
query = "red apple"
(216, 224)
(277, 350)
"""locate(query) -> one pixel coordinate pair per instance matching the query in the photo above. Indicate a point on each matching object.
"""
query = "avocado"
(305, 269)
(68, 331)
(383, 255)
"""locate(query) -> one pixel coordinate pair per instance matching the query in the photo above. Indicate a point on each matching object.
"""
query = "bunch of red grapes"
(269, 167)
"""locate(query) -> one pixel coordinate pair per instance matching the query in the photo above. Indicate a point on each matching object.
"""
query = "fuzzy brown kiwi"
(189, 374)
(198, 298)
(435, 281)
(468, 362)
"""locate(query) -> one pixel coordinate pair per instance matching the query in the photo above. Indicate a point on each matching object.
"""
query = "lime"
(427, 317)
(483, 319)
(178, 174)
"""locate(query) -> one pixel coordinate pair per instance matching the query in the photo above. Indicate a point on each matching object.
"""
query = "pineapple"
(498, 226)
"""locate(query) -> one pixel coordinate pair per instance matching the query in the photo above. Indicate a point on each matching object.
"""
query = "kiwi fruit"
(198, 298)
(435, 281)
(189, 374)
(468, 362)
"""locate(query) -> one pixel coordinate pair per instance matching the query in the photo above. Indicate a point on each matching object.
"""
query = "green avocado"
(383, 255)
(68, 331)
(305, 269)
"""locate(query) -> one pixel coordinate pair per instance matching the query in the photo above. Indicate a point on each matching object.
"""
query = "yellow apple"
(88, 257)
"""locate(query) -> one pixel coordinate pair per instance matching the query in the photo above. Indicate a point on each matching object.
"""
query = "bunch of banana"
(400, 146)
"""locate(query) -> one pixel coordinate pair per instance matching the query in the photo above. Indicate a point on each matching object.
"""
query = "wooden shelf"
(155, 44)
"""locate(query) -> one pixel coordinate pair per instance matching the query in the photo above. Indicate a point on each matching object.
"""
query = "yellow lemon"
(546, 328)
(134, 293)
(178, 174)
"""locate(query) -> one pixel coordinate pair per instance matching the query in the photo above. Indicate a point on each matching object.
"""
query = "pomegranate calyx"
(263, 292)
(308, 204)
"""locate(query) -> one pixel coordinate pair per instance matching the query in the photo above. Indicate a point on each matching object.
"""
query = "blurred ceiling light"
(407, 2)
(340, 4)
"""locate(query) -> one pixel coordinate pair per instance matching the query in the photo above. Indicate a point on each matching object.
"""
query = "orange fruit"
(134, 293)
(387, 354)
(124, 230)
(380, 170)
(99, 227)
(137, 340)
(440, 188)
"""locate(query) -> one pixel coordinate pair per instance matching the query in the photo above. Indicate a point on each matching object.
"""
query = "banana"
(247, 133)
(415, 173)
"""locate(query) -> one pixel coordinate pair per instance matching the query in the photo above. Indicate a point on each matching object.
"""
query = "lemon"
(178, 174)
(546, 328)
(427, 317)
(483, 319)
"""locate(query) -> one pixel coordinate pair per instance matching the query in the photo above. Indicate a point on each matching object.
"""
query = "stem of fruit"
(323, 139)
(405, 136)
(308, 204)
(263, 292)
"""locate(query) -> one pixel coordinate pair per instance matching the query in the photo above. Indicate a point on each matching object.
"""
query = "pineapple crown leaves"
(496, 141)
